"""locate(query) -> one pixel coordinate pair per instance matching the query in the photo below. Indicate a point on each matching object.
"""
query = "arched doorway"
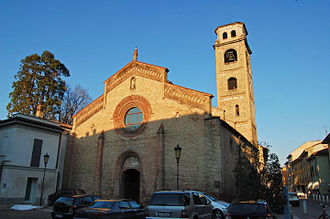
(131, 184)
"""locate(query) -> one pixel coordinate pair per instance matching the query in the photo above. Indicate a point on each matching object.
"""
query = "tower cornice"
(218, 44)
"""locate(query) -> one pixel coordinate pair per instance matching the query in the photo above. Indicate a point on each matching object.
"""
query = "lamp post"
(46, 158)
(177, 151)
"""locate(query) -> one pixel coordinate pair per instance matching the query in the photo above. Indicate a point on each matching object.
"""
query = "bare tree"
(74, 101)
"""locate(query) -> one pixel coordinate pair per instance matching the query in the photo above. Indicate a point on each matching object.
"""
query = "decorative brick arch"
(119, 170)
(121, 109)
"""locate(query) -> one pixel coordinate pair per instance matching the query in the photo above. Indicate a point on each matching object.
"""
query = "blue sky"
(289, 39)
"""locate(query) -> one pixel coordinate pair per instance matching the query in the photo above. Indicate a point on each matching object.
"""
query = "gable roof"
(142, 69)
(32, 121)
(181, 94)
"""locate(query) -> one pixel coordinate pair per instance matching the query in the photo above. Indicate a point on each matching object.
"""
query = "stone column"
(161, 158)
(99, 158)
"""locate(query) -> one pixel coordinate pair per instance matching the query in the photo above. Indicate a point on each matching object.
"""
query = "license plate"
(164, 214)
(59, 215)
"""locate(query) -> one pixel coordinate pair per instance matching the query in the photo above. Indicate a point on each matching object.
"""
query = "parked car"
(119, 209)
(65, 206)
(293, 199)
(249, 209)
(220, 208)
(54, 196)
(179, 204)
(301, 195)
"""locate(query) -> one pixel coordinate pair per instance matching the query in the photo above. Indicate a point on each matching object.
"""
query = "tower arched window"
(237, 110)
(224, 35)
(232, 83)
(230, 56)
(233, 33)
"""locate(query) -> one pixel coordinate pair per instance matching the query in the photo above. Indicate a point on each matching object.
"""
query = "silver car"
(179, 204)
(220, 208)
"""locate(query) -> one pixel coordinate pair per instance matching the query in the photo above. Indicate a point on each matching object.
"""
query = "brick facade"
(172, 115)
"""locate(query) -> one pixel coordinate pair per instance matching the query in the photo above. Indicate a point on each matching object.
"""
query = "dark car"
(249, 209)
(65, 206)
(54, 196)
(293, 199)
(122, 208)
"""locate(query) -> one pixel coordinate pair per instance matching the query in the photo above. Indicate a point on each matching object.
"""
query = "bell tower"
(234, 79)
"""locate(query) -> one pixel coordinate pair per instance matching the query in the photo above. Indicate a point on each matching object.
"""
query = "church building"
(122, 144)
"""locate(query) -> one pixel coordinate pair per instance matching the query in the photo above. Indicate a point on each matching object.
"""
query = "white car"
(301, 195)
(220, 208)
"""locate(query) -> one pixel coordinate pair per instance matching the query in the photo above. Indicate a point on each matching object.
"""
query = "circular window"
(133, 118)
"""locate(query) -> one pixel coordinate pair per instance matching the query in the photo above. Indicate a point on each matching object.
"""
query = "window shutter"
(35, 159)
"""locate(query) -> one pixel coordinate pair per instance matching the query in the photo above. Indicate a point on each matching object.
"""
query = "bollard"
(305, 207)
(287, 204)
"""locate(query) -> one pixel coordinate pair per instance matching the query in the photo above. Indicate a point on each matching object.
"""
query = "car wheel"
(217, 214)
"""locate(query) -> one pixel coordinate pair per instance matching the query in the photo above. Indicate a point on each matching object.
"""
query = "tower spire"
(135, 55)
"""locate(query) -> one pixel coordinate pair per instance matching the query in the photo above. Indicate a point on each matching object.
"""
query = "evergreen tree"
(38, 81)
(247, 178)
(273, 184)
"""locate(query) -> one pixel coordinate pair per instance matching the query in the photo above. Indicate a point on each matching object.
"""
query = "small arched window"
(232, 83)
(230, 56)
(233, 33)
(237, 110)
(224, 35)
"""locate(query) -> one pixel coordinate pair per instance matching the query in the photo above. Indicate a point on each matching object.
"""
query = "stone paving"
(7, 213)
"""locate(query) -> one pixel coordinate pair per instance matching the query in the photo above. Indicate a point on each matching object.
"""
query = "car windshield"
(169, 199)
(248, 208)
(292, 195)
(213, 199)
(65, 200)
(103, 204)
(80, 192)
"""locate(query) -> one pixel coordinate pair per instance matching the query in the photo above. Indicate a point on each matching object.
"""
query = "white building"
(24, 140)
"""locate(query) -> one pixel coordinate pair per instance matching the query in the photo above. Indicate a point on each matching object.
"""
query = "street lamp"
(46, 158)
(177, 151)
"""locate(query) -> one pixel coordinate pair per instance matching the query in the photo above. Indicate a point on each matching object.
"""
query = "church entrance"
(131, 184)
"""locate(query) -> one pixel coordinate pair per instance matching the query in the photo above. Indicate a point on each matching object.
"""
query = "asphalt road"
(313, 209)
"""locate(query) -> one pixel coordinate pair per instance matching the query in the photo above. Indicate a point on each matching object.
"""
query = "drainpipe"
(57, 160)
